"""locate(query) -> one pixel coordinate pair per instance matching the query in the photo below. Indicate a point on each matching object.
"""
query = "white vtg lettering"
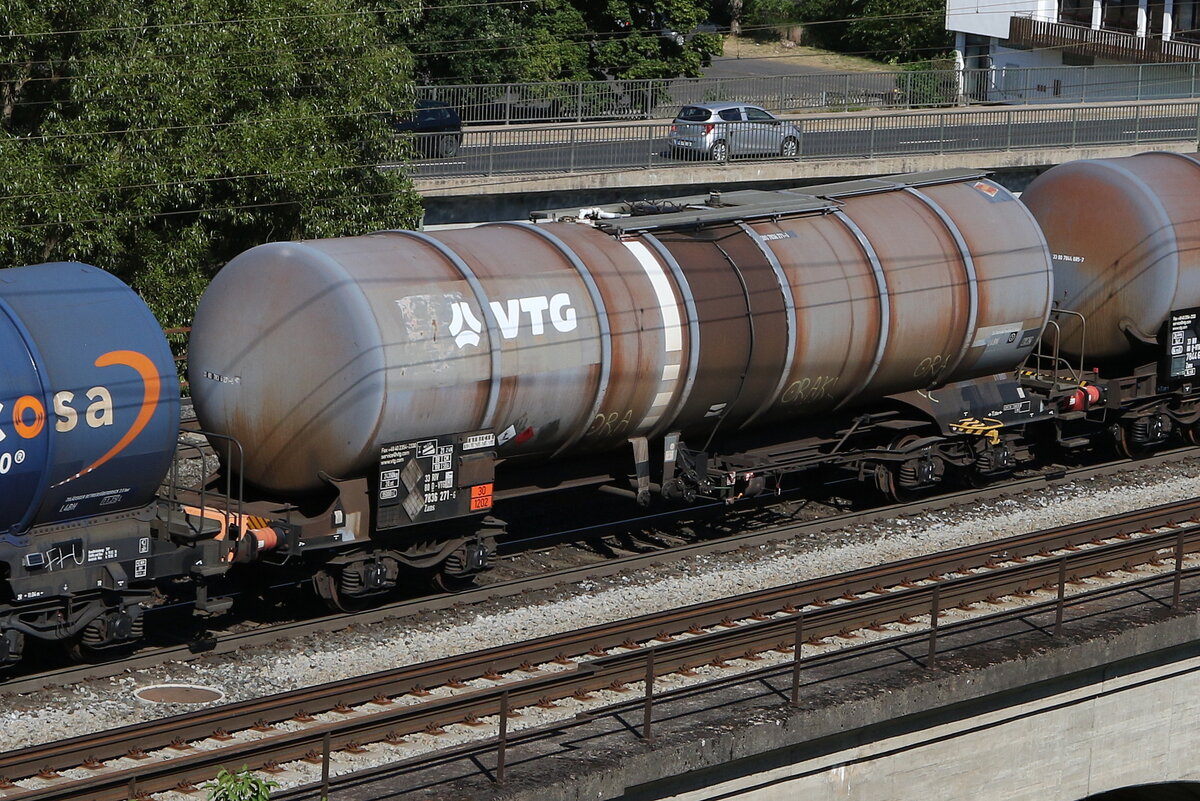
(99, 411)
(508, 315)
(538, 309)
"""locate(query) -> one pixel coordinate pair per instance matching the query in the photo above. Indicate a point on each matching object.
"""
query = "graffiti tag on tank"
(810, 389)
(930, 366)
(610, 424)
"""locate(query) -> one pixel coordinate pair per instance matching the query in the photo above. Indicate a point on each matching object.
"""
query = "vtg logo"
(465, 327)
(28, 413)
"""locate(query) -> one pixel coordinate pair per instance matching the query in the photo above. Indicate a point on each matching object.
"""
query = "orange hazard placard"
(481, 497)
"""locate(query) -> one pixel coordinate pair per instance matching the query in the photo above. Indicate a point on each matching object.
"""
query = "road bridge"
(502, 173)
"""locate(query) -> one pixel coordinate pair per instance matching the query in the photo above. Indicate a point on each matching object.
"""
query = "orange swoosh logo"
(151, 391)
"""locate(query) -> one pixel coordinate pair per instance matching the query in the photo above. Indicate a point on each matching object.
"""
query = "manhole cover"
(179, 694)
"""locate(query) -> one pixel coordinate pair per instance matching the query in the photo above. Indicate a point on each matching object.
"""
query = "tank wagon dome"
(1125, 239)
(570, 337)
(89, 405)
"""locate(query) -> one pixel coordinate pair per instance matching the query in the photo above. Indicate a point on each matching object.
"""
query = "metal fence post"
(579, 102)
(796, 655)
(491, 158)
(1062, 591)
(1008, 142)
(871, 141)
(1084, 82)
(1137, 124)
(574, 147)
(648, 713)
(1178, 569)
(1139, 82)
(325, 749)
(935, 608)
(502, 744)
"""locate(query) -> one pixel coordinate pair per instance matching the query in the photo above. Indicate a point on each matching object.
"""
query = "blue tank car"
(89, 419)
(89, 402)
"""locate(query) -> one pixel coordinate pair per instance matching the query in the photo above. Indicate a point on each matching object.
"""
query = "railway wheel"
(1191, 432)
(108, 636)
(333, 582)
(904, 481)
(1134, 438)
(992, 463)
(461, 568)
(454, 582)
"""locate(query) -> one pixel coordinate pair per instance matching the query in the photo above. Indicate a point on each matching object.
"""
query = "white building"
(1018, 49)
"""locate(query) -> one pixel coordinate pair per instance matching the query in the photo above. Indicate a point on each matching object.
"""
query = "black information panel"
(1181, 356)
(434, 479)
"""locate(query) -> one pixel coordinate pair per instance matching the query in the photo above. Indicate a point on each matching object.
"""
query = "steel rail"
(230, 643)
(878, 605)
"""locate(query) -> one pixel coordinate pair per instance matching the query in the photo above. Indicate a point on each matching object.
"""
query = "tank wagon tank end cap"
(1142, 211)
(243, 367)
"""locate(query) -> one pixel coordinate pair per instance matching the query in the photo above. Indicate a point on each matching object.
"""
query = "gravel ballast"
(108, 703)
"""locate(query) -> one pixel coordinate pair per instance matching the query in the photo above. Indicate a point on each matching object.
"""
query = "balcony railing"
(1084, 41)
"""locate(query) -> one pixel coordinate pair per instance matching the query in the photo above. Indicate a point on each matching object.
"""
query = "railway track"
(537, 579)
(390, 705)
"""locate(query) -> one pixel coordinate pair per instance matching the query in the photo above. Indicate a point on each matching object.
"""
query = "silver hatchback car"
(722, 131)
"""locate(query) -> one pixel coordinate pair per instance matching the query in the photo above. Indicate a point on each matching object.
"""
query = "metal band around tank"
(1041, 237)
(885, 304)
(789, 303)
(601, 319)
(672, 333)
(693, 323)
(485, 309)
(972, 280)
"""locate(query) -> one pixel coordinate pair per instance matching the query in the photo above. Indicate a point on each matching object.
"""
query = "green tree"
(897, 31)
(158, 138)
(558, 40)
(901, 31)
(456, 42)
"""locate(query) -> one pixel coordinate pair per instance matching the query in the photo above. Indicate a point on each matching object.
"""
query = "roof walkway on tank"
(750, 204)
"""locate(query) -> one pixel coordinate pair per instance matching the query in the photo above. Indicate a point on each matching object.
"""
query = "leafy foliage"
(157, 138)
(240, 786)
(551, 40)
(897, 31)
(901, 30)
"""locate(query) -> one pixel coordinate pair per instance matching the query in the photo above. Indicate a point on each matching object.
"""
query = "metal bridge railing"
(660, 98)
(617, 146)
